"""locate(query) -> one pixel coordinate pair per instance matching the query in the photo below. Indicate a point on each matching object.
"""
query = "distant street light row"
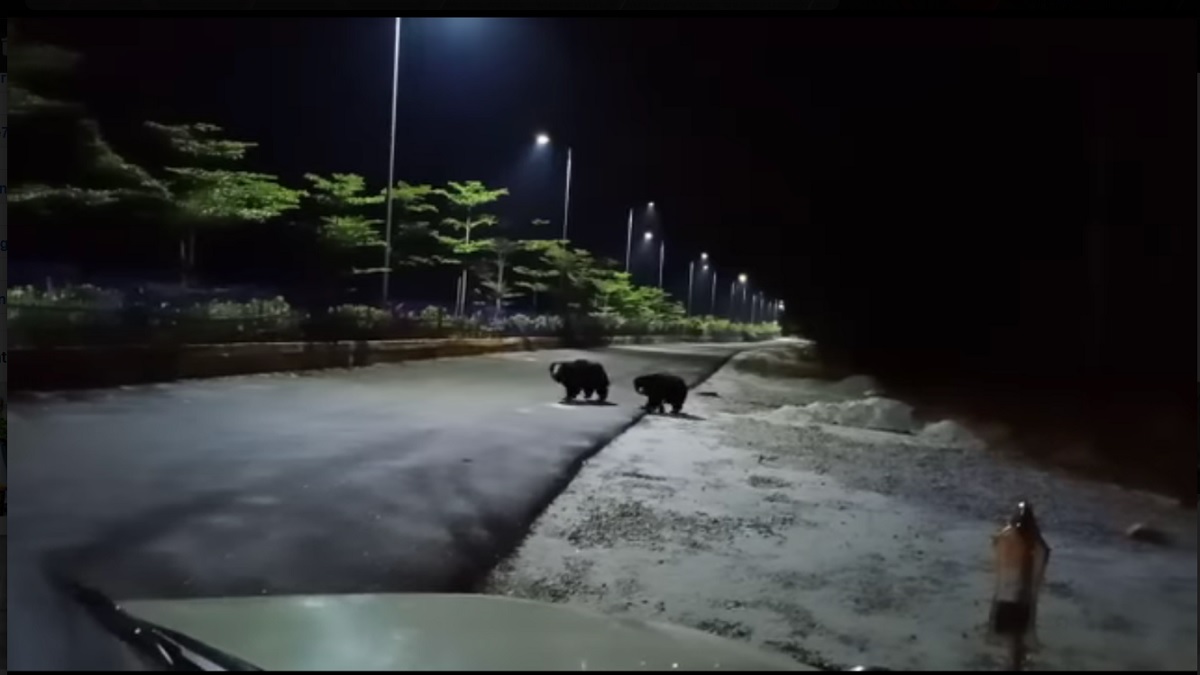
(759, 306)
(543, 139)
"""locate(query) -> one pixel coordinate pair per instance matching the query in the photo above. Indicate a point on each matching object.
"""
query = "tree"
(570, 275)
(66, 162)
(415, 239)
(534, 279)
(333, 210)
(209, 196)
(496, 287)
(74, 191)
(466, 199)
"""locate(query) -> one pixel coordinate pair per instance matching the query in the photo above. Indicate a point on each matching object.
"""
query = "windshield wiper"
(174, 650)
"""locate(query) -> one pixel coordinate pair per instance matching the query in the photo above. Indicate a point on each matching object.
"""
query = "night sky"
(883, 175)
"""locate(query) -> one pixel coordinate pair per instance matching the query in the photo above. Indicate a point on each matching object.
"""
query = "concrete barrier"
(91, 367)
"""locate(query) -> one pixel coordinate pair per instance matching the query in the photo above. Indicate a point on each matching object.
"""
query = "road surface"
(401, 478)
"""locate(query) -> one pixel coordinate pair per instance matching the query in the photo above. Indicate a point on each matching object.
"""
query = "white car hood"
(442, 632)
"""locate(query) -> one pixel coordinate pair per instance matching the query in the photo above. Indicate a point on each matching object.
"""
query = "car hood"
(442, 632)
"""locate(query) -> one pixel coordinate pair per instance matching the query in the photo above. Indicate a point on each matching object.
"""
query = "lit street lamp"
(629, 236)
(544, 139)
(742, 279)
(662, 256)
(712, 301)
(387, 229)
(692, 279)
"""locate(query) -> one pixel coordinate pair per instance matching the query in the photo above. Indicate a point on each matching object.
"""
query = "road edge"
(555, 489)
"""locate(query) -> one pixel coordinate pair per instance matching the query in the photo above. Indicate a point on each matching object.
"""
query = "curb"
(555, 490)
(59, 368)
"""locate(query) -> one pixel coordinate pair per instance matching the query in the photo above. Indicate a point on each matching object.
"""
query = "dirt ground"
(753, 518)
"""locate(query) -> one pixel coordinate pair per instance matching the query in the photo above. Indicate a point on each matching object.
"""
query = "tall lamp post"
(629, 236)
(387, 230)
(712, 301)
(692, 279)
(544, 139)
(741, 279)
(662, 256)
(567, 197)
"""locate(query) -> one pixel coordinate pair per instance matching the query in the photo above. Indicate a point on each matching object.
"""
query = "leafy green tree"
(334, 210)
(341, 226)
(67, 167)
(497, 287)
(572, 275)
(466, 201)
(416, 241)
(208, 194)
(534, 278)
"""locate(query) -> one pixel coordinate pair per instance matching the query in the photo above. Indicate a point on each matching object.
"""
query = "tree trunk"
(183, 261)
(187, 256)
(499, 287)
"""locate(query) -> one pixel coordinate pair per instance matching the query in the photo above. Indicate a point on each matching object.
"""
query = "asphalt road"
(399, 478)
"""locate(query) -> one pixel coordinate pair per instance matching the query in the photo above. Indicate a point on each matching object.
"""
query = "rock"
(1148, 534)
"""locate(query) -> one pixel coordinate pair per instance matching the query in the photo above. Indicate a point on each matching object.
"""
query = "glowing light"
(742, 278)
(543, 139)
(648, 236)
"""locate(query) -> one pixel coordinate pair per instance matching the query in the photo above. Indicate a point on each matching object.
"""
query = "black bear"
(581, 375)
(659, 388)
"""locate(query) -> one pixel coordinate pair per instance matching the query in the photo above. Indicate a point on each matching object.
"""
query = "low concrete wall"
(90, 367)
(87, 367)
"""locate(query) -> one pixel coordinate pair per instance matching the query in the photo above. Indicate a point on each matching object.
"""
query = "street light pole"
(567, 197)
(691, 278)
(387, 231)
(662, 255)
(712, 302)
(629, 240)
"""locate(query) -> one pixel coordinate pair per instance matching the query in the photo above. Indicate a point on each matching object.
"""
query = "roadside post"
(1021, 556)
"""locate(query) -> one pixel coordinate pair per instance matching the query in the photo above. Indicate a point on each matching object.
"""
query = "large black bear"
(659, 388)
(581, 375)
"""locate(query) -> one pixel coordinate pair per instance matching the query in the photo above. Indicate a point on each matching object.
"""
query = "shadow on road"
(589, 403)
(679, 416)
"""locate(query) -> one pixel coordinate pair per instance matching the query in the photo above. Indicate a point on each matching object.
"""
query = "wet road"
(407, 477)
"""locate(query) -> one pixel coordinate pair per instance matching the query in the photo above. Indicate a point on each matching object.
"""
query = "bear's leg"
(602, 394)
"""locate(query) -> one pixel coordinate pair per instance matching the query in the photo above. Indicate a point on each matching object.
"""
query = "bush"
(65, 316)
(218, 321)
(358, 322)
(84, 297)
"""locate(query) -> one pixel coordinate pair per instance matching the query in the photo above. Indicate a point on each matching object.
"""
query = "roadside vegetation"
(187, 191)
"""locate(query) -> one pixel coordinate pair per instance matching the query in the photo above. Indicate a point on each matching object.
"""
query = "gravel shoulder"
(843, 546)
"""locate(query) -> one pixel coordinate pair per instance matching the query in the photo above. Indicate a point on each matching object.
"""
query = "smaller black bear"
(581, 375)
(659, 388)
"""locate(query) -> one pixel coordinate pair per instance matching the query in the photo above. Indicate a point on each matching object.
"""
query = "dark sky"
(868, 167)
(716, 120)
